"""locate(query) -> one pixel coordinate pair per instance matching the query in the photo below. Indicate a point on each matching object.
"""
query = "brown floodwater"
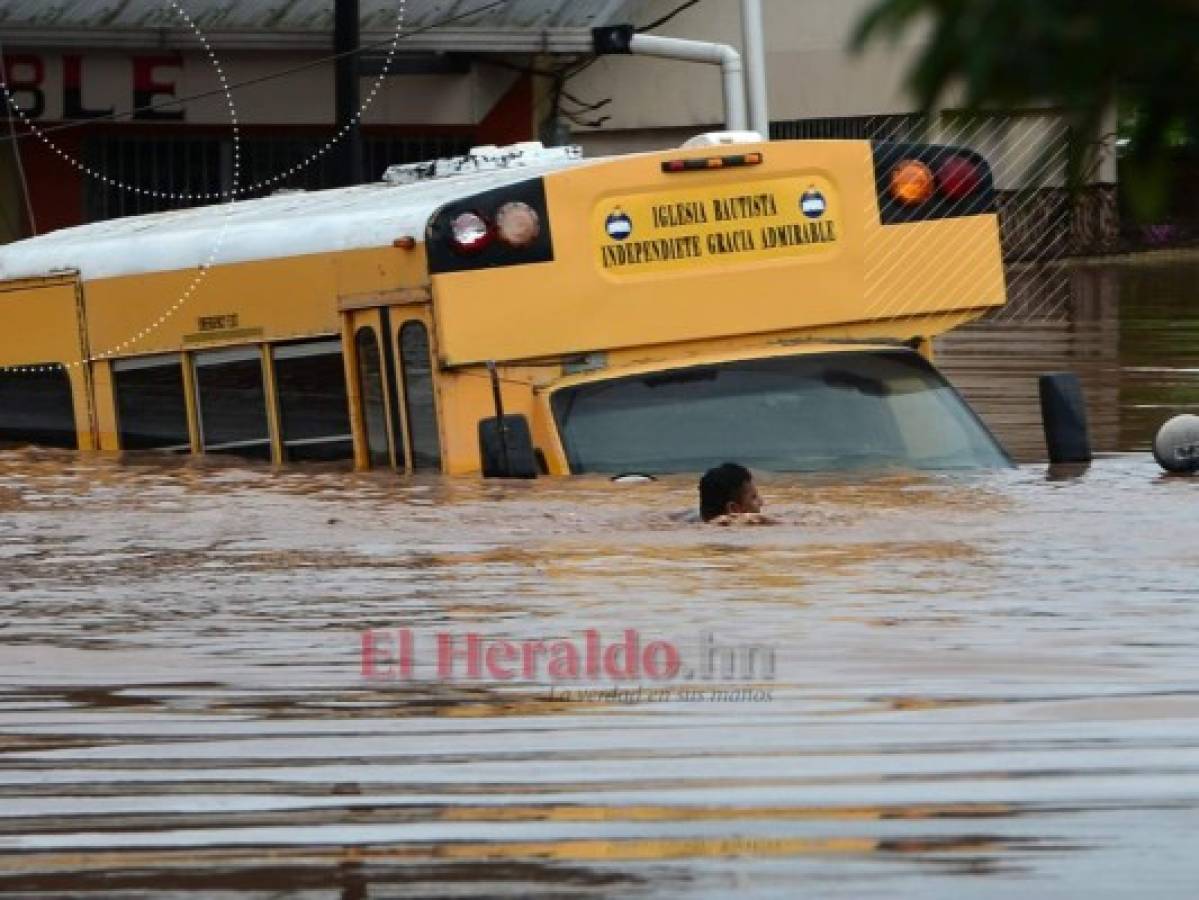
(975, 685)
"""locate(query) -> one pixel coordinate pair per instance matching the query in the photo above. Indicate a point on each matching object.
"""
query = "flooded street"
(982, 685)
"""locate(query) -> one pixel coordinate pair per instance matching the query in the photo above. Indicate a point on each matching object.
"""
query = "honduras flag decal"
(812, 203)
(619, 225)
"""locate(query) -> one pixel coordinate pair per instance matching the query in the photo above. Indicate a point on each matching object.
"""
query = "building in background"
(460, 78)
(515, 71)
(818, 89)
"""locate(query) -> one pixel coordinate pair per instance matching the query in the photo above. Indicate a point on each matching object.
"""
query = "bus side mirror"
(507, 448)
(1064, 416)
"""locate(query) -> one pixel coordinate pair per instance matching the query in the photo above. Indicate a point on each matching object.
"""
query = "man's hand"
(741, 519)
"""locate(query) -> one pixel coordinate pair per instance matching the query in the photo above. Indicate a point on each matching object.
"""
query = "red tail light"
(470, 233)
(958, 177)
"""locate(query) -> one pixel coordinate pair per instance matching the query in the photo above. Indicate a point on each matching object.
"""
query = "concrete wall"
(811, 74)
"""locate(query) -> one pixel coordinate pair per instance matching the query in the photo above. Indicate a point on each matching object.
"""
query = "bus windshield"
(806, 413)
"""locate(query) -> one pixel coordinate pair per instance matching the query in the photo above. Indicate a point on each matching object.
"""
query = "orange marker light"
(712, 162)
(911, 182)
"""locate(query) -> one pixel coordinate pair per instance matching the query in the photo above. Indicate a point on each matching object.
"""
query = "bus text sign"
(743, 223)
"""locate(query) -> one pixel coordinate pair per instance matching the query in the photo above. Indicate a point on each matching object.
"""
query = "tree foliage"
(1081, 56)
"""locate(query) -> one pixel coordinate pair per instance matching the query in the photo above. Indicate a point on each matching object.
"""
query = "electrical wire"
(568, 73)
(659, 22)
(311, 64)
(586, 107)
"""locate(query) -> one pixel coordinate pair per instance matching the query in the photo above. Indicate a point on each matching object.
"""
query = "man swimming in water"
(728, 495)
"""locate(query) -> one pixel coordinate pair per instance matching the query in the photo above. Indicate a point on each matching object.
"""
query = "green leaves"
(1078, 56)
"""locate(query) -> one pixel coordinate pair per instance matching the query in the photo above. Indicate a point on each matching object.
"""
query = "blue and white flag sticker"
(619, 225)
(813, 204)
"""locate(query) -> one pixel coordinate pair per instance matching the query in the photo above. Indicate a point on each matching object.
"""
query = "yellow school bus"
(523, 311)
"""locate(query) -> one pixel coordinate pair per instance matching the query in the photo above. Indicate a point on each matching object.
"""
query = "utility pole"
(755, 66)
(348, 153)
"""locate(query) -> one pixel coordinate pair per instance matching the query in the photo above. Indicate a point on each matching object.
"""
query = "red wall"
(55, 185)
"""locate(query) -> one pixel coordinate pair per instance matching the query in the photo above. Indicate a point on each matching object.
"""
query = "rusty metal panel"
(215, 16)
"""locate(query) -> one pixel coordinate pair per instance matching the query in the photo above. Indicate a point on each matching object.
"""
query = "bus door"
(374, 404)
(413, 346)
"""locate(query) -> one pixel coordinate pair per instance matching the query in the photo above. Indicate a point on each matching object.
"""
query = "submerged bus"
(522, 311)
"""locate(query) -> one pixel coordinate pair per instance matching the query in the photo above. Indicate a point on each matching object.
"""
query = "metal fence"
(909, 127)
(154, 174)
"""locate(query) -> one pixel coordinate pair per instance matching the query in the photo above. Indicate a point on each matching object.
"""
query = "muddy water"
(981, 686)
(1128, 327)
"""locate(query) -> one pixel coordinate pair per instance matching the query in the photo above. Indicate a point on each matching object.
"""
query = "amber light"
(712, 162)
(912, 182)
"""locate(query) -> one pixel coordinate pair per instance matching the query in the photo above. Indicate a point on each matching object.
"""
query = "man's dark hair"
(719, 487)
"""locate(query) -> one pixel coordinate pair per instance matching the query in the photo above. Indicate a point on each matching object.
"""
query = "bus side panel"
(911, 267)
(466, 398)
(238, 303)
(40, 324)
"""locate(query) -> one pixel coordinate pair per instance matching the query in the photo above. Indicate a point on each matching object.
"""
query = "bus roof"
(284, 224)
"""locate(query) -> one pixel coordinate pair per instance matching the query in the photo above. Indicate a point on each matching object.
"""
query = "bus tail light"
(505, 226)
(517, 224)
(958, 177)
(918, 182)
(470, 233)
(911, 182)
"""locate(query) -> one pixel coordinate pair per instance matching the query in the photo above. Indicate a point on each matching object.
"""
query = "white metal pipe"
(754, 42)
(722, 55)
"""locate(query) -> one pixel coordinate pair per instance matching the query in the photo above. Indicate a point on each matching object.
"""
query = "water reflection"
(1129, 327)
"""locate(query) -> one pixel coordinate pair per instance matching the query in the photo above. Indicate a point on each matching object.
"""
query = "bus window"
(313, 405)
(374, 408)
(151, 405)
(417, 364)
(232, 402)
(815, 412)
(35, 406)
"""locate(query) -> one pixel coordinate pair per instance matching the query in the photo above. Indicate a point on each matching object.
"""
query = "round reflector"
(470, 232)
(911, 182)
(517, 224)
(959, 177)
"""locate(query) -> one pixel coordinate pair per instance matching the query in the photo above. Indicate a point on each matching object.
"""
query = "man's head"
(727, 489)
